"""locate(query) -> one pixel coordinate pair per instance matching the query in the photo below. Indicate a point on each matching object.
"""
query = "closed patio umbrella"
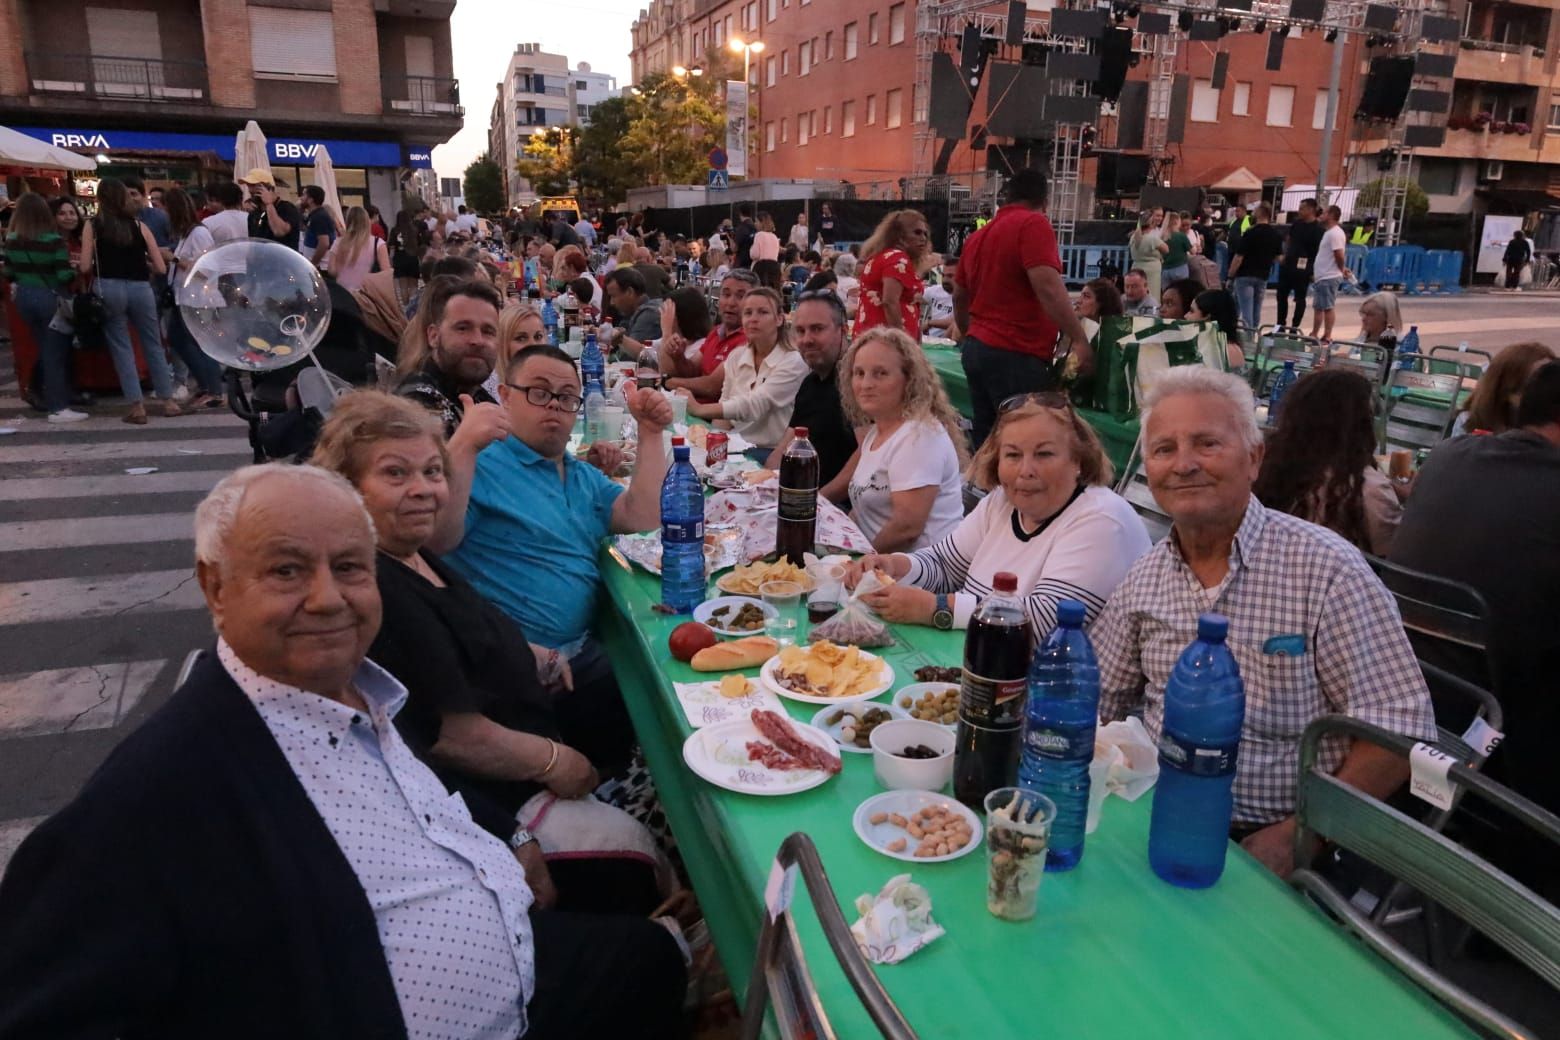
(325, 178)
(17, 149)
(250, 151)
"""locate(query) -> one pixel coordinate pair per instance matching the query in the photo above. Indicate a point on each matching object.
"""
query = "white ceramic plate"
(855, 708)
(702, 613)
(914, 692)
(719, 754)
(766, 675)
(906, 803)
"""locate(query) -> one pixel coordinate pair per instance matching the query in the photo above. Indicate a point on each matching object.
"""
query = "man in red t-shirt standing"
(1010, 298)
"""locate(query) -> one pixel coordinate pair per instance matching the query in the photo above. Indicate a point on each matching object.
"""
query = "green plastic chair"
(1509, 913)
(1418, 406)
(1133, 486)
(1372, 361)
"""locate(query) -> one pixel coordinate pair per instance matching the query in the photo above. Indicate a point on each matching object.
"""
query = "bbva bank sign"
(283, 150)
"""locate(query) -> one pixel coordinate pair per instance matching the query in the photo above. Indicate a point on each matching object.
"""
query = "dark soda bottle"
(798, 514)
(992, 693)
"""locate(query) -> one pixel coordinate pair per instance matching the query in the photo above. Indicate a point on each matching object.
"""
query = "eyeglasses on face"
(542, 397)
(1045, 399)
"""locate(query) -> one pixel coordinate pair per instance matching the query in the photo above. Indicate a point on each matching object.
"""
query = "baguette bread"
(748, 652)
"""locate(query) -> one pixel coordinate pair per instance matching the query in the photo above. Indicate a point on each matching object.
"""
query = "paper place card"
(704, 706)
(1483, 737)
(1428, 780)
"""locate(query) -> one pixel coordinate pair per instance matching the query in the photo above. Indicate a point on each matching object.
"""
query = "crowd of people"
(411, 612)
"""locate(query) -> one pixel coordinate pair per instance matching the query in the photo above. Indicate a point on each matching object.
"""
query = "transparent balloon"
(254, 305)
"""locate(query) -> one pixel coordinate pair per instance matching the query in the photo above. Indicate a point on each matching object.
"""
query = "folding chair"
(1281, 345)
(1468, 365)
(1133, 486)
(1509, 913)
(1367, 359)
(1418, 406)
(780, 978)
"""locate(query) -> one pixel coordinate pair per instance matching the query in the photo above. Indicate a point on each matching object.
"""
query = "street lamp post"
(747, 50)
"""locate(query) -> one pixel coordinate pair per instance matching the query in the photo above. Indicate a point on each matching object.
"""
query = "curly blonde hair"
(925, 399)
(362, 419)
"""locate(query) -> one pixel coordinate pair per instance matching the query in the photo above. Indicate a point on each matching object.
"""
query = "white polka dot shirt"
(450, 900)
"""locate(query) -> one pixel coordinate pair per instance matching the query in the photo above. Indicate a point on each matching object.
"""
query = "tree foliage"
(483, 186)
(603, 168)
(548, 160)
(1417, 204)
(672, 125)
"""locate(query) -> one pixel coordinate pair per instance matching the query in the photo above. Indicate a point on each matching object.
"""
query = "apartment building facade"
(589, 89)
(160, 88)
(534, 94)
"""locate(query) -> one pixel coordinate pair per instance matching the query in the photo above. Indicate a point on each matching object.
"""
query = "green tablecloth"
(1113, 952)
(1117, 435)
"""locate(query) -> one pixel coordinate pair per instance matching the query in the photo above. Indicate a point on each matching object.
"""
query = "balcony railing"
(423, 96)
(117, 79)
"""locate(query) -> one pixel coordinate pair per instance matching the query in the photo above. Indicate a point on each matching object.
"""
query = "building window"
(769, 136)
(803, 128)
(785, 63)
(847, 119)
(893, 104)
(850, 41)
(1439, 176)
(1281, 106)
(583, 111)
(871, 109)
(828, 119)
(580, 84)
(872, 30)
(804, 58)
(1319, 111)
(292, 44)
(828, 46)
(896, 24)
(918, 110)
(752, 15)
(783, 137)
(1240, 101)
(1205, 102)
(1554, 113)
(720, 34)
(771, 9)
(771, 69)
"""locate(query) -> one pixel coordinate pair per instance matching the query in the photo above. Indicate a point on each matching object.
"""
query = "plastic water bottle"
(1205, 705)
(682, 533)
(1408, 351)
(595, 412)
(550, 321)
(1281, 385)
(1064, 705)
(592, 365)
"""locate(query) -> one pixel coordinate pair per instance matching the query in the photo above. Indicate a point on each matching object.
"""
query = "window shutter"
(287, 42)
(116, 33)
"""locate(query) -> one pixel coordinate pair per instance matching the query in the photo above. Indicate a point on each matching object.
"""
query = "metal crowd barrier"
(1411, 270)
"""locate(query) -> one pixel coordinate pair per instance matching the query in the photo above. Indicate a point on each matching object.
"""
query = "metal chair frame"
(1372, 362)
(1510, 914)
(1133, 486)
(780, 978)
(1468, 364)
(1415, 424)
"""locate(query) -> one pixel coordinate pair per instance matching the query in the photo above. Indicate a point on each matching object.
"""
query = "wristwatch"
(520, 838)
(942, 613)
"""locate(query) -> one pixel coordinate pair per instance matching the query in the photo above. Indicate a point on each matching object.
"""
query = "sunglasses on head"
(1045, 399)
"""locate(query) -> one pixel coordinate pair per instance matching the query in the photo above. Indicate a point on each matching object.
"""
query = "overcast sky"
(484, 34)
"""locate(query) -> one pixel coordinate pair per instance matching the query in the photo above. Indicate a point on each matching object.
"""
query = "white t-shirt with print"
(919, 454)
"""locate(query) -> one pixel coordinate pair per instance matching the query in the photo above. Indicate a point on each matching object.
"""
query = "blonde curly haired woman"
(904, 480)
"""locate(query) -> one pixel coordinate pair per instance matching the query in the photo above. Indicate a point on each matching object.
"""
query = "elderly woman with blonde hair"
(486, 709)
(904, 479)
(1050, 518)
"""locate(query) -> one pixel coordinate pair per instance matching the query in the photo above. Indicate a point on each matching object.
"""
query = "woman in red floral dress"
(890, 287)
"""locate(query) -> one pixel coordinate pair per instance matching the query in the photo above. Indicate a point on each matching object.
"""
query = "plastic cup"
(1018, 831)
(786, 599)
(679, 409)
(612, 422)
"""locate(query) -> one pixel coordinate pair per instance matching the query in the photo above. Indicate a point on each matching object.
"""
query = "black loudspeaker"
(1115, 54)
(1275, 55)
(1132, 115)
(1386, 87)
(1179, 89)
(1424, 136)
(1035, 54)
(1154, 24)
(1088, 24)
(1074, 65)
(1011, 158)
(951, 100)
(1013, 101)
(1435, 102)
(1183, 200)
(1204, 30)
(1380, 18)
(1439, 29)
(1075, 110)
(1118, 174)
(1307, 10)
(971, 53)
(1017, 12)
(1221, 69)
(1439, 65)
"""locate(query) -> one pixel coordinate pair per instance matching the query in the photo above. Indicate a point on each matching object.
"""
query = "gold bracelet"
(551, 761)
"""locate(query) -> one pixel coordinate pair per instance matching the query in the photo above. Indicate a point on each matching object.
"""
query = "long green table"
(1117, 435)
(1114, 952)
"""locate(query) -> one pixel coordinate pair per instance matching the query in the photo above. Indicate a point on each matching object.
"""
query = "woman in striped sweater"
(37, 264)
(1050, 519)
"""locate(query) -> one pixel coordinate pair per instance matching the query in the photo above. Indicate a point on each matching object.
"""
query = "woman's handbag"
(88, 312)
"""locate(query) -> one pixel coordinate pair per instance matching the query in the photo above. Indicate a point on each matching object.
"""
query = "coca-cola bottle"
(992, 692)
(798, 514)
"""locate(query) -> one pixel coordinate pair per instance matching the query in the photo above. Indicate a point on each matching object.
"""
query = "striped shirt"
(43, 262)
(1287, 578)
(1083, 553)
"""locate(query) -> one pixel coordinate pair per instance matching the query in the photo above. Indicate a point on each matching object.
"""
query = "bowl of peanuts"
(917, 826)
(912, 755)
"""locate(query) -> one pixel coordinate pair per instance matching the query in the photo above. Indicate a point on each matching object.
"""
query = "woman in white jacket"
(761, 377)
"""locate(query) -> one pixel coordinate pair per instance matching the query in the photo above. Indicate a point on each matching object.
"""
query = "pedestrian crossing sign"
(719, 179)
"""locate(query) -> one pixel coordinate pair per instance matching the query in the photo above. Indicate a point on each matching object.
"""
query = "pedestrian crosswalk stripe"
(73, 699)
(62, 599)
(27, 489)
(37, 422)
(80, 531)
(147, 451)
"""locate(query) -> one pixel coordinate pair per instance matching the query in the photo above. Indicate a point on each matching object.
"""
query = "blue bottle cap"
(1070, 612)
(1212, 628)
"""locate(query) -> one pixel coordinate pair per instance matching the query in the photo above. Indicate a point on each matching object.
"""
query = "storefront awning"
(24, 150)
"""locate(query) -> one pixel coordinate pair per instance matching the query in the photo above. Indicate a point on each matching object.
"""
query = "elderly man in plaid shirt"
(1312, 629)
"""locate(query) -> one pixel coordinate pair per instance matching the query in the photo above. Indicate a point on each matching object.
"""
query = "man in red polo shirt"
(1010, 298)
(705, 375)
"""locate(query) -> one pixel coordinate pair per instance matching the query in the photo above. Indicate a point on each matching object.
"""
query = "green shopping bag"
(1153, 347)
(1106, 384)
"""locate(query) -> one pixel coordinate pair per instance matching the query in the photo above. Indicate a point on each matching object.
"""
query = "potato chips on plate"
(825, 673)
(747, 580)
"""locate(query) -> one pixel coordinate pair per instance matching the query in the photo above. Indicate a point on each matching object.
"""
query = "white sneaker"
(181, 393)
(68, 415)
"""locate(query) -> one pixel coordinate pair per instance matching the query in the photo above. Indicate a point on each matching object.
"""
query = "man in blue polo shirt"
(526, 525)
